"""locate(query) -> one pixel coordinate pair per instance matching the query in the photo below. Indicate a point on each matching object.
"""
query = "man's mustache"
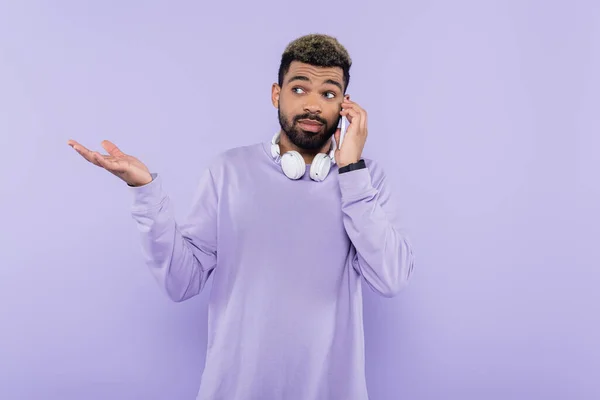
(311, 117)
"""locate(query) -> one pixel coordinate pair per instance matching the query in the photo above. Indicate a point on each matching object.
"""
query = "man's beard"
(306, 140)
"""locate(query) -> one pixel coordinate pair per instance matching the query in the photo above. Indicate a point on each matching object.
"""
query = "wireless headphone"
(293, 164)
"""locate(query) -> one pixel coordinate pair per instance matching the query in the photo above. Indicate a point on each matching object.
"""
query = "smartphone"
(343, 125)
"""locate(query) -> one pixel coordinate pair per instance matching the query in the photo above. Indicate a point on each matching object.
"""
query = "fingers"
(109, 163)
(355, 114)
(99, 159)
(356, 117)
(350, 105)
(94, 157)
(352, 115)
(111, 148)
(336, 136)
(83, 151)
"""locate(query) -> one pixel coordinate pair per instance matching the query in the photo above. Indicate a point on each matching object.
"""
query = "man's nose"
(313, 104)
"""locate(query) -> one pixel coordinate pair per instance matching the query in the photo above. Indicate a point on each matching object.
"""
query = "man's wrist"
(353, 166)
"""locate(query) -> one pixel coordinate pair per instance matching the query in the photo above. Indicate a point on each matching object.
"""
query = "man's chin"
(312, 142)
(310, 135)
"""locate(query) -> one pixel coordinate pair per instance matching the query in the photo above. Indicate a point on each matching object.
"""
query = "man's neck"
(286, 145)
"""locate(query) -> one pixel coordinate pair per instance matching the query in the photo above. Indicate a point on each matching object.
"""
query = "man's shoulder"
(242, 151)
(238, 156)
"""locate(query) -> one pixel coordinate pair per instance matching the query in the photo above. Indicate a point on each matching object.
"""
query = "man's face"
(309, 104)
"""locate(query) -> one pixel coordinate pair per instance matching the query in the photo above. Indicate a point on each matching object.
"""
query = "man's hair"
(318, 50)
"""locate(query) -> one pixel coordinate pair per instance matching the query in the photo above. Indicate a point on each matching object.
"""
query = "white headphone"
(293, 164)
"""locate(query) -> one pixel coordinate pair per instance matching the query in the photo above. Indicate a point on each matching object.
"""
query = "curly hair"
(319, 50)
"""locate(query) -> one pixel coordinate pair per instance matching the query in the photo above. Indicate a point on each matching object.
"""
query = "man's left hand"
(355, 137)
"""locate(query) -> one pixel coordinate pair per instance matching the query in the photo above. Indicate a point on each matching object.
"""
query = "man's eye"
(297, 90)
(330, 95)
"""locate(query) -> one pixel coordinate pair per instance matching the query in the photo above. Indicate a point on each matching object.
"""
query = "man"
(288, 228)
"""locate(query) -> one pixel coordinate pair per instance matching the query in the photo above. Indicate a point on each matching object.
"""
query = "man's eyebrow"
(306, 79)
(298, 78)
(334, 82)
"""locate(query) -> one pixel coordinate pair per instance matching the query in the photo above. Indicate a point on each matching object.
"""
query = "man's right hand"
(128, 168)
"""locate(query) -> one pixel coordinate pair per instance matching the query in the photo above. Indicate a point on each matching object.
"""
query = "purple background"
(485, 115)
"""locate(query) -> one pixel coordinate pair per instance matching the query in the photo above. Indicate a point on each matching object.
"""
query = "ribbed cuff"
(355, 183)
(149, 195)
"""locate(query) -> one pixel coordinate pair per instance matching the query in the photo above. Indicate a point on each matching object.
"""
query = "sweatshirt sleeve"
(384, 255)
(180, 257)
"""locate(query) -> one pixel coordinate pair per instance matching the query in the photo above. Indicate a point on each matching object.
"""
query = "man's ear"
(275, 92)
(346, 97)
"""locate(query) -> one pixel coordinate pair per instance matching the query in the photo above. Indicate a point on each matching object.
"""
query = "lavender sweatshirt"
(287, 259)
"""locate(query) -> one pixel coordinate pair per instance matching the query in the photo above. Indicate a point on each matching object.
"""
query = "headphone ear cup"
(293, 165)
(274, 150)
(320, 167)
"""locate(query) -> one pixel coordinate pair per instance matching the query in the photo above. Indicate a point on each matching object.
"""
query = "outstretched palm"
(128, 168)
